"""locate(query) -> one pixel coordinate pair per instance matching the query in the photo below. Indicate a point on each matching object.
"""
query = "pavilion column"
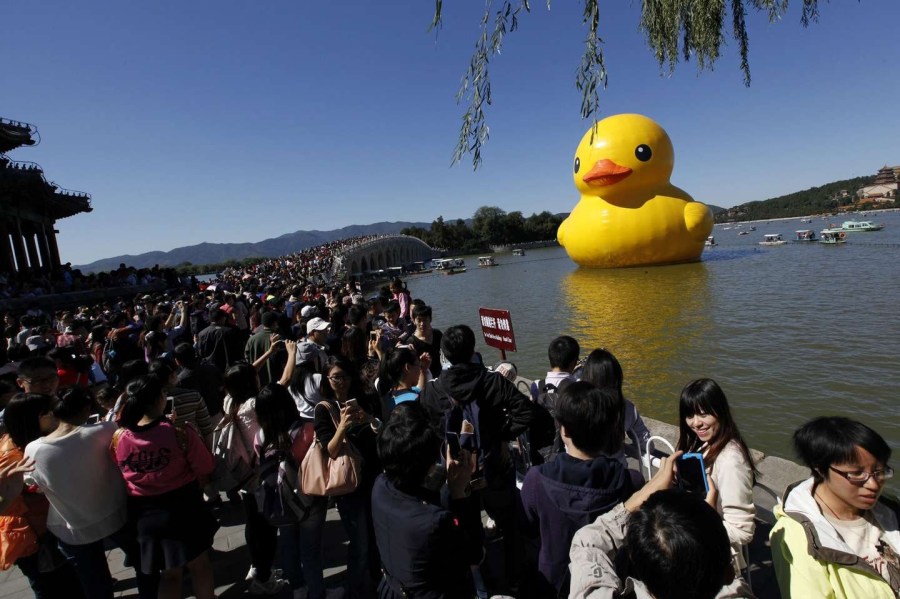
(33, 257)
(18, 242)
(43, 248)
(54, 249)
(6, 256)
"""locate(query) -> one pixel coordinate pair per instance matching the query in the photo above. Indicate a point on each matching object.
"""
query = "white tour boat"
(772, 239)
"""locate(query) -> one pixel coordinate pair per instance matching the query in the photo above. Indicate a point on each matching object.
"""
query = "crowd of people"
(137, 423)
(36, 282)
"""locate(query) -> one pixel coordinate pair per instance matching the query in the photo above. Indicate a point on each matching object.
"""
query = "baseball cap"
(317, 324)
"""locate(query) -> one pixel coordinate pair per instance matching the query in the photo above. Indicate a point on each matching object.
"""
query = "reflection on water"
(650, 318)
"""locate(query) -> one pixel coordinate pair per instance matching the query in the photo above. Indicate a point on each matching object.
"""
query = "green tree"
(674, 30)
(488, 223)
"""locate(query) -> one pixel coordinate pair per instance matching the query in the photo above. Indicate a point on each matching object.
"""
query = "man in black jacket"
(503, 414)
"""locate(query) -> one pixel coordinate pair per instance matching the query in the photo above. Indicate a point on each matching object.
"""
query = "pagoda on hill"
(30, 205)
(885, 176)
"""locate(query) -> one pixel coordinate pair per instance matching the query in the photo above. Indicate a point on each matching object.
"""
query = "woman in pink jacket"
(161, 464)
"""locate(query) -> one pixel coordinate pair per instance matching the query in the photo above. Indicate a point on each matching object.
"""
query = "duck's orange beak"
(605, 172)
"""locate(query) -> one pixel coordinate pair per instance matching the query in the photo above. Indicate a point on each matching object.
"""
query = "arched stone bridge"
(378, 254)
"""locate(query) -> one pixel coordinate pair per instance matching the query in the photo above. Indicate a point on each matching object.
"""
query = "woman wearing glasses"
(347, 414)
(835, 537)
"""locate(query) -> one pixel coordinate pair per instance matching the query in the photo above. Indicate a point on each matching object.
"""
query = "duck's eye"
(577, 164)
(643, 153)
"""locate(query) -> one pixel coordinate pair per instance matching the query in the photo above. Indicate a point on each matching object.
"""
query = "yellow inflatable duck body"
(629, 213)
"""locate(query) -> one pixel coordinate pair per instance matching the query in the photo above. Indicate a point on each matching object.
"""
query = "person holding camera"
(707, 427)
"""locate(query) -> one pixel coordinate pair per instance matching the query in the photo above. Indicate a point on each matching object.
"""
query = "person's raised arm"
(288, 372)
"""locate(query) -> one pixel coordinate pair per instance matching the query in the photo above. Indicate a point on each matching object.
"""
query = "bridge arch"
(381, 253)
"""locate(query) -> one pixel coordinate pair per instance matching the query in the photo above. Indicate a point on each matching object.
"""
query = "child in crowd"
(563, 353)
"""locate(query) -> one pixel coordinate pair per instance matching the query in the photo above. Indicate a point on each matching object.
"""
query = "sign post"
(496, 325)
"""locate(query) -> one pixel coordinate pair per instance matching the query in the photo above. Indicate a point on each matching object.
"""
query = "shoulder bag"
(320, 475)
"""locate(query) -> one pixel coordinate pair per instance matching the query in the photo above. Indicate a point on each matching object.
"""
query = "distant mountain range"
(215, 253)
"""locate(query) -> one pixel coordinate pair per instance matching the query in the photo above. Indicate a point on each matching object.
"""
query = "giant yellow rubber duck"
(629, 213)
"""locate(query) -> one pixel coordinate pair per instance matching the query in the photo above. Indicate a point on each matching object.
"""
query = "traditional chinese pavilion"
(30, 205)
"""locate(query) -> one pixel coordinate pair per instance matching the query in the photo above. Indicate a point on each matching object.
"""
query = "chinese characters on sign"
(497, 328)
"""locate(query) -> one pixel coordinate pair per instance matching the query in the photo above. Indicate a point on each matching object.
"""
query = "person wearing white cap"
(313, 349)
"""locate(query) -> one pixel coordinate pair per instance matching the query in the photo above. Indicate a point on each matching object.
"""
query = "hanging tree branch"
(674, 29)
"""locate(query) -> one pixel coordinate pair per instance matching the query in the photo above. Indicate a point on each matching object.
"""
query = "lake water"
(789, 332)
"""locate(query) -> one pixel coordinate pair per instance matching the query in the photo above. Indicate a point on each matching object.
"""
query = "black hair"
(161, 368)
(276, 412)
(705, 396)
(184, 353)
(241, 383)
(828, 440)
(355, 386)
(594, 418)
(142, 394)
(29, 367)
(601, 369)
(563, 352)
(355, 344)
(421, 311)
(458, 344)
(72, 404)
(22, 416)
(302, 372)
(393, 363)
(269, 319)
(676, 544)
(356, 314)
(392, 306)
(408, 446)
(131, 370)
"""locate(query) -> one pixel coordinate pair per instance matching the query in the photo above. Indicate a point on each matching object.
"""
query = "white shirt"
(246, 417)
(82, 483)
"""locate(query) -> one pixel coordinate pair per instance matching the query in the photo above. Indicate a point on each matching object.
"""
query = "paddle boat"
(832, 237)
(449, 266)
(710, 242)
(518, 252)
(772, 239)
(805, 235)
(486, 261)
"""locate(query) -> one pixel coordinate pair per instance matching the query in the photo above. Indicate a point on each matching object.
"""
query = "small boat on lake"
(449, 266)
(518, 252)
(805, 235)
(864, 226)
(710, 242)
(744, 233)
(772, 239)
(486, 261)
(752, 228)
(832, 237)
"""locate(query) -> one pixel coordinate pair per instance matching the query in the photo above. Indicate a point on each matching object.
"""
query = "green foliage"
(674, 30)
(815, 200)
(490, 226)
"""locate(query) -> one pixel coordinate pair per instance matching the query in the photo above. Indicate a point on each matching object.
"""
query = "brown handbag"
(320, 475)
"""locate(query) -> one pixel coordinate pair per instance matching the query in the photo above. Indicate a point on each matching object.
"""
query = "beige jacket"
(733, 477)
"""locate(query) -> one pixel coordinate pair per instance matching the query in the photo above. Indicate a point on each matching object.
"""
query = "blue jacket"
(426, 550)
(560, 497)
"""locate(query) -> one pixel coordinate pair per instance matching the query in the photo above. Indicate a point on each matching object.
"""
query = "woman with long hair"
(347, 414)
(360, 349)
(835, 536)
(242, 387)
(281, 430)
(706, 426)
(602, 369)
(161, 464)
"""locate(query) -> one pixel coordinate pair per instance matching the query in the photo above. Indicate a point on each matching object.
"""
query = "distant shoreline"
(787, 218)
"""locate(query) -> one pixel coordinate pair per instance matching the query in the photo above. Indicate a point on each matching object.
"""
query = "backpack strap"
(331, 411)
(114, 442)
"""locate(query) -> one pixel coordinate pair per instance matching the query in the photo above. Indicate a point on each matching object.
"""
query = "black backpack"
(543, 443)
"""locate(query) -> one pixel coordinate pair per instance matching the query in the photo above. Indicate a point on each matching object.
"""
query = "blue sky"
(236, 121)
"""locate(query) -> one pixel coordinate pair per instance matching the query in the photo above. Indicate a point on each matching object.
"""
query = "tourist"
(706, 426)
(425, 338)
(242, 386)
(204, 378)
(38, 375)
(87, 501)
(835, 536)
(303, 379)
(218, 344)
(563, 354)
(400, 294)
(282, 430)
(585, 481)
(504, 414)
(350, 415)
(187, 405)
(660, 544)
(393, 329)
(362, 349)
(161, 463)
(601, 369)
(24, 534)
(259, 342)
(404, 374)
(427, 548)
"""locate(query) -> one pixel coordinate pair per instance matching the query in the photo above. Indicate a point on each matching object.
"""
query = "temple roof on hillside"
(14, 134)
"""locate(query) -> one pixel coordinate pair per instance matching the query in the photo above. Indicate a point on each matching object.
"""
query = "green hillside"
(815, 200)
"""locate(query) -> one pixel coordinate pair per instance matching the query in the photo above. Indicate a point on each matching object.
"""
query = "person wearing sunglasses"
(836, 536)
